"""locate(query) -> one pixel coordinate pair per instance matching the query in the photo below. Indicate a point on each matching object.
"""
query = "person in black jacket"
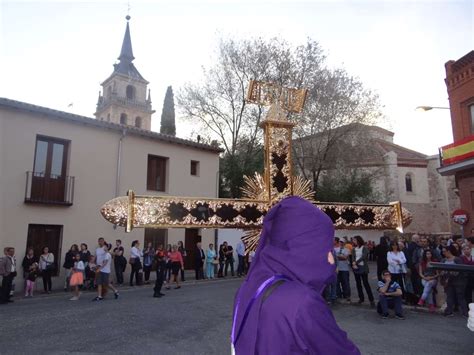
(229, 259)
(120, 263)
(199, 258)
(381, 251)
(28, 260)
(160, 271)
(221, 261)
(69, 264)
(85, 254)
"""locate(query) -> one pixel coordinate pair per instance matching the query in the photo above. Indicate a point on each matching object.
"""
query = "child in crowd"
(30, 279)
(77, 277)
(90, 273)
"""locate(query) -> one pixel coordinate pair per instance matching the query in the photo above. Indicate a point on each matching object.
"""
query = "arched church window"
(138, 122)
(130, 91)
(409, 182)
(123, 118)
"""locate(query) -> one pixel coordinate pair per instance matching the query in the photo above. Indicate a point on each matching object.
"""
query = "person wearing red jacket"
(177, 264)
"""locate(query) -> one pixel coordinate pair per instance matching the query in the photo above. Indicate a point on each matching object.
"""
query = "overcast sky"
(58, 52)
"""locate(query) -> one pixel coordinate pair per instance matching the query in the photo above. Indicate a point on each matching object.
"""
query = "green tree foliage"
(347, 185)
(168, 125)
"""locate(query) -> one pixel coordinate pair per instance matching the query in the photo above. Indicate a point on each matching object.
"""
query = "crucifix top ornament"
(261, 193)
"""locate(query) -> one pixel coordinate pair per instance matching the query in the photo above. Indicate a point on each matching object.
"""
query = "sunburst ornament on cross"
(261, 192)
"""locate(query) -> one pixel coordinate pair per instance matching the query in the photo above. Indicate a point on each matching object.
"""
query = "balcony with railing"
(50, 189)
(457, 156)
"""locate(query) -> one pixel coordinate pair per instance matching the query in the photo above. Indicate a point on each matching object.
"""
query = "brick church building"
(458, 157)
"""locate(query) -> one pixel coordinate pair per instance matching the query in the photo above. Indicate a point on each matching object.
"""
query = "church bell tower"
(125, 99)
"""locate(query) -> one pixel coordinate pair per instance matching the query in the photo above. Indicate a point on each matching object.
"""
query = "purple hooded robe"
(294, 318)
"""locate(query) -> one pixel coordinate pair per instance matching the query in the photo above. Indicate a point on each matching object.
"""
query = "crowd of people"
(84, 270)
(403, 272)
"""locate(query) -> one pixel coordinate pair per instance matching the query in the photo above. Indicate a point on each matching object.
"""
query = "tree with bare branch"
(218, 104)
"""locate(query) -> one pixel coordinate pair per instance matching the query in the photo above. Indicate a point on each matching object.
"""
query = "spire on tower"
(126, 54)
(125, 65)
(149, 96)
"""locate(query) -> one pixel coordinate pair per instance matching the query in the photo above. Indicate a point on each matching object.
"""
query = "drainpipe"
(119, 163)
(216, 237)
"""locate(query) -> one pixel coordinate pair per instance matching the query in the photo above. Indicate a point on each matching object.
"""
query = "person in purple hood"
(279, 308)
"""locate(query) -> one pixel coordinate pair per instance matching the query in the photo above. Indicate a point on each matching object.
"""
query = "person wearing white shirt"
(135, 261)
(397, 265)
(240, 249)
(103, 260)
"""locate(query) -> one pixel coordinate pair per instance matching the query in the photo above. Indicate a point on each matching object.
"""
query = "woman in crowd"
(381, 251)
(360, 266)
(31, 280)
(28, 260)
(177, 264)
(458, 249)
(210, 259)
(168, 266)
(135, 261)
(397, 265)
(148, 256)
(454, 283)
(85, 254)
(46, 266)
(69, 264)
(183, 254)
(429, 280)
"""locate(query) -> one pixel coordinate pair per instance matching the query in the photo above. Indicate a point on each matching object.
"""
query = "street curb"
(61, 293)
(415, 309)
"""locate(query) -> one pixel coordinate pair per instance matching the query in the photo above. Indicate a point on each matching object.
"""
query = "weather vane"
(260, 193)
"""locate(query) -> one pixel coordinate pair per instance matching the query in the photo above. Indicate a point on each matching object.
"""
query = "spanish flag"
(458, 151)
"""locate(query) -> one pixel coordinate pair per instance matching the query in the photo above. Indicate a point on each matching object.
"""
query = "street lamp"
(428, 108)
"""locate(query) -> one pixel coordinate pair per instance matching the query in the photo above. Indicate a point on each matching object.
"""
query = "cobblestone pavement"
(196, 319)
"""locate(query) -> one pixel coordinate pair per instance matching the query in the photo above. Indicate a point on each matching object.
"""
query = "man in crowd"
(120, 263)
(390, 296)
(8, 271)
(199, 259)
(103, 260)
(229, 259)
(342, 259)
(411, 252)
(240, 249)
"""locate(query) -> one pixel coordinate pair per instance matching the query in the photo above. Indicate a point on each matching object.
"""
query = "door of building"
(191, 237)
(45, 235)
(156, 236)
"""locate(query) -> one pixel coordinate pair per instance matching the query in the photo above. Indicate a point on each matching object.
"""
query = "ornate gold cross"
(134, 211)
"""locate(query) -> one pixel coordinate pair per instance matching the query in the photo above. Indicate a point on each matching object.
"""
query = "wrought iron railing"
(49, 189)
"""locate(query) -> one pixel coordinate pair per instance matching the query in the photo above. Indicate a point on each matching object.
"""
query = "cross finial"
(128, 12)
(264, 93)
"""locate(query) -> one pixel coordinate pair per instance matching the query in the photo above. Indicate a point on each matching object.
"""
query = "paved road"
(196, 320)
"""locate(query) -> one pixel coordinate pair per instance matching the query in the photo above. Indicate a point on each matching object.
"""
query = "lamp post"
(428, 108)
